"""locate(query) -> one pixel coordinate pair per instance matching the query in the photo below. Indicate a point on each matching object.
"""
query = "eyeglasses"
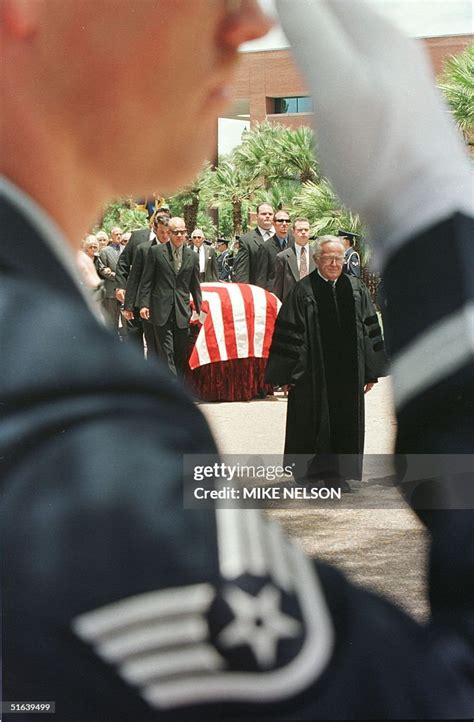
(329, 259)
(282, 220)
(197, 238)
(178, 233)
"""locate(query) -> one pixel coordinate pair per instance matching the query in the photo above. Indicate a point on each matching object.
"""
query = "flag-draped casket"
(228, 359)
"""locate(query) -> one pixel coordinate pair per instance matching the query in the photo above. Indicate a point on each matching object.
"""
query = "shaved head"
(98, 128)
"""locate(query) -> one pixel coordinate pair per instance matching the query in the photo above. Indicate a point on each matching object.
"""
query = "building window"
(300, 104)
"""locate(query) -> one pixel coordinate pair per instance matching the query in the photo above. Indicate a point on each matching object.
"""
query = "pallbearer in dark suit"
(207, 257)
(268, 251)
(126, 257)
(136, 330)
(296, 262)
(132, 304)
(246, 260)
(171, 274)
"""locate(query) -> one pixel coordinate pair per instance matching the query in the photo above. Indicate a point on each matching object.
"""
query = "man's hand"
(355, 59)
(145, 313)
(368, 387)
(120, 295)
(129, 315)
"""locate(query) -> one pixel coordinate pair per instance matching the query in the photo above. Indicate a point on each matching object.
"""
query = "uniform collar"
(49, 232)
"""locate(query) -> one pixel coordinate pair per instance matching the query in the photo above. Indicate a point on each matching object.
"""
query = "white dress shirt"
(298, 255)
(202, 257)
(266, 233)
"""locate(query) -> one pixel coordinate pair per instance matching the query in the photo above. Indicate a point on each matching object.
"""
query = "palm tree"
(296, 149)
(277, 154)
(278, 195)
(187, 201)
(122, 212)
(257, 155)
(457, 84)
(208, 226)
(319, 204)
(230, 184)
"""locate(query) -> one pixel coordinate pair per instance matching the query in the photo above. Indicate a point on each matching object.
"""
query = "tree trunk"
(190, 212)
(305, 176)
(237, 217)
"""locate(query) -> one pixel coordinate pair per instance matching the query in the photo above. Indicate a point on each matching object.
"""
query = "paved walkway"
(379, 542)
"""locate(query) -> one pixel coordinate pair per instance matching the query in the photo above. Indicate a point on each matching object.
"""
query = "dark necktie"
(177, 260)
(303, 263)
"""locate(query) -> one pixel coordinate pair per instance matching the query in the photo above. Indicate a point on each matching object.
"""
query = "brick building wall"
(271, 74)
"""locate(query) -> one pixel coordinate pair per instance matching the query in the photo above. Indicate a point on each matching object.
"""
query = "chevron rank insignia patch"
(262, 634)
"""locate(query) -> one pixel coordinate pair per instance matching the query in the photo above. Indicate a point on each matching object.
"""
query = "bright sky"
(418, 18)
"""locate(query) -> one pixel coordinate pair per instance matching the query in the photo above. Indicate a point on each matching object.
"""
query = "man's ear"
(19, 18)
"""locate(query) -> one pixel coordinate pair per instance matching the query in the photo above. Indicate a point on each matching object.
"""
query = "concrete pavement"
(379, 542)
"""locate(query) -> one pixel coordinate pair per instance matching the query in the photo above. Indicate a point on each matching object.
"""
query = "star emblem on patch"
(259, 623)
(255, 625)
(260, 631)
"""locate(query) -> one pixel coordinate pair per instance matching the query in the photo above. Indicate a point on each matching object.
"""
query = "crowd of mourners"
(119, 601)
(265, 256)
(144, 282)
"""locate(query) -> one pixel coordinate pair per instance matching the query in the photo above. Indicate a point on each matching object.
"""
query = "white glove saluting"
(385, 138)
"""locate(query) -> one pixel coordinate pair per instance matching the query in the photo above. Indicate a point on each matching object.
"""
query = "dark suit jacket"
(110, 257)
(126, 257)
(163, 291)
(266, 260)
(211, 272)
(286, 271)
(246, 260)
(135, 276)
(68, 390)
(73, 545)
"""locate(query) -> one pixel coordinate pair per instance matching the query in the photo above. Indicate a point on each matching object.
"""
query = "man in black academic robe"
(327, 346)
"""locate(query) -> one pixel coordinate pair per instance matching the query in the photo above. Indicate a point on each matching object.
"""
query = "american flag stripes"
(239, 323)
